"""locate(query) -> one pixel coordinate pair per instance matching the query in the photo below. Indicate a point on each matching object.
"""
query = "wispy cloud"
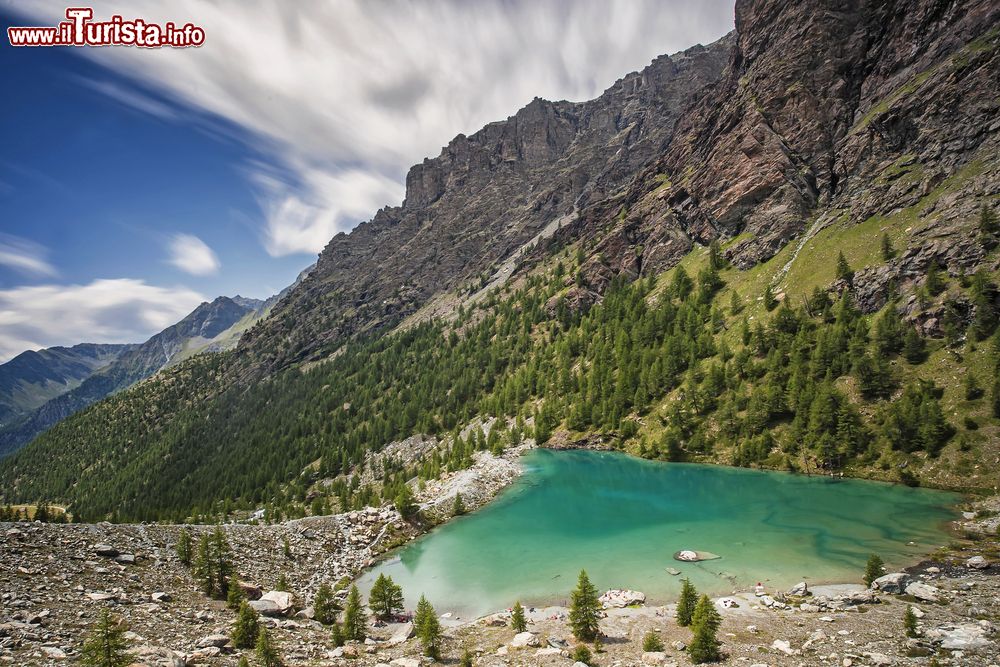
(192, 255)
(343, 97)
(25, 257)
(103, 311)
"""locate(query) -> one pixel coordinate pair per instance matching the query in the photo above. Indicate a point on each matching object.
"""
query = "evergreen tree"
(466, 660)
(686, 603)
(282, 583)
(337, 634)
(652, 643)
(913, 346)
(584, 609)
(235, 596)
(716, 260)
(404, 503)
(286, 548)
(735, 303)
(910, 622)
(324, 605)
(705, 623)
(934, 283)
(770, 302)
(265, 650)
(106, 645)
(244, 634)
(458, 507)
(386, 598)
(888, 252)
(989, 227)
(873, 569)
(354, 621)
(428, 628)
(972, 388)
(243, 662)
(202, 569)
(582, 654)
(517, 620)
(844, 270)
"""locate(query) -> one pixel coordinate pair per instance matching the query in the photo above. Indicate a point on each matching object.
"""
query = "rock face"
(483, 198)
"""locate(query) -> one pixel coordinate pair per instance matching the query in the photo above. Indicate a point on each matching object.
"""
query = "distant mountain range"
(40, 388)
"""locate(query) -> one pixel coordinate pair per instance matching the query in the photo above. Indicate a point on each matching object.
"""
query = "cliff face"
(484, 197)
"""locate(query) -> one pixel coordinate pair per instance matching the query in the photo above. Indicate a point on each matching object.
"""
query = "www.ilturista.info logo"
(80, 30)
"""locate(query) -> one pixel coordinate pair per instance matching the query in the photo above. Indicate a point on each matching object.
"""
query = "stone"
(924, 592)
(212, 640)
(654, 657)
(799, 589)
(784, 647)
(308, 613)
(265, 607)
(282, 600)
(878, 659)
(962, 636)
(401, 634)
(917, 611)
(160, 596)
(105, 550)
(673, 572)
(54, 653)
(894, 582)
(523, 639)
(678, 645)
(548, 650)
(101, 597)
(977, 563)
(502, 650)
(125, 559)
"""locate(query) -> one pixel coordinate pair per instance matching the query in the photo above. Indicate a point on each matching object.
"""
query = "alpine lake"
(622, 519)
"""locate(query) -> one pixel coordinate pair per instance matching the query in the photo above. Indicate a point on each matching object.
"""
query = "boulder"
(125, 559)
(54, 653)
(523, 639)
(799, 589)
(404, 632)
(105, 550)
(654, 658)
(265, 607)
(250, 591)
(622, 598)
(405, 662)
(548, 650)
(274, 603)
(783, 646)
(878, 659)
(894, 582)
(977, 563)
(924, 592)
(160, 596)
(963, 636)
(212, 640)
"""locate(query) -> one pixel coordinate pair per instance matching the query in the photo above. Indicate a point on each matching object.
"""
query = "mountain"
(779, 250)
(211, 326)
(34, 377)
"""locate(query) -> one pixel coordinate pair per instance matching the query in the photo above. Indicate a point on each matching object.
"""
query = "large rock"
(962, 636)
(977, 563)
(799, 589)
(105, 550)
(654, 658)
(212, 640)
(523, 639)
(402, 633)
(405, 662)
(924, 592)
(283, 600)
(894, 582)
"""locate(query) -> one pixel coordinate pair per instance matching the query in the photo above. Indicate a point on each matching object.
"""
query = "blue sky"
(136, 182)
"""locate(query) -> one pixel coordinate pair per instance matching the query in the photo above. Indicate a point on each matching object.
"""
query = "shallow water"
(623, 518)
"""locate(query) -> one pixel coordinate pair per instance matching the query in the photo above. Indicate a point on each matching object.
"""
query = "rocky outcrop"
(481, 200)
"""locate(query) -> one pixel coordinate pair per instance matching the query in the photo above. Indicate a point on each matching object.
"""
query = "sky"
(136, 183)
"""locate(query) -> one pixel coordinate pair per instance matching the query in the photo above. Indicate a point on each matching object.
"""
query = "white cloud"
(189, 253)
(345, 96)
(25, 257)
(104, 311)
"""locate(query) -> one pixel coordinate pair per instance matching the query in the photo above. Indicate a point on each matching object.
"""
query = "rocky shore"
(54, 580)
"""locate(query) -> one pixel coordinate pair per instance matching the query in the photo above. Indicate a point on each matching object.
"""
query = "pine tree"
(652, 643)
(106, 645)
(873, 569)
(934, 283)
(282, 584)
(686, 603)
(584, 609)
(888, 252)
(265, 650)
(324, 605)
(203, 565)
(286, 548)
(844, 270)
(989, 227)
(735, 303)
(466, 660)
(243, 662)
(354, 622)
(517, 620)
(705, 622)
(716, 260)
(184, 546)
(235, 596)
(910, 622)
(337, 634)
(428, 628)
(769, 301)
(385, 598)
(244, 634)
(404, 503)
(458, 507)
(582, 654)
(913, 346)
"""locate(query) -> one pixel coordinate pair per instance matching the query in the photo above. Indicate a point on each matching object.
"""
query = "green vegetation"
(246, 629)
(517, 620)
(686, 603)
(212, 567)
(910, 622)
(705, 623)
(184, 547)
(354, 620)
(582, 654)
(106, 645)
(265, 650)
(325, 605)
(428, 628)
(584, 610)
(873, 569)
(386, 598)
(651, 642)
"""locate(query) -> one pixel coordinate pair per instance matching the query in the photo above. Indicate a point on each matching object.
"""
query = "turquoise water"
(623, 518)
